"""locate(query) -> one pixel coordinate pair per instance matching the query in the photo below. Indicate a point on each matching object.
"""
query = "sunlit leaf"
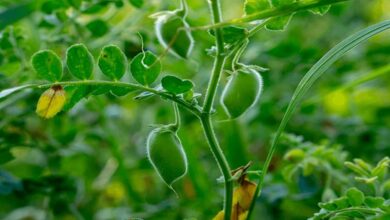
(112, 62)
(47, 65)
(80, 61)
(355, 196)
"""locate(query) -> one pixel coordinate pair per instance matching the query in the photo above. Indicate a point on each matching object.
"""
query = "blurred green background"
(90, 162)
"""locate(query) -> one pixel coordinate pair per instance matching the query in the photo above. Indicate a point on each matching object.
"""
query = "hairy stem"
(207, 109)
(222, 163)
(219, 59)
(176, 125)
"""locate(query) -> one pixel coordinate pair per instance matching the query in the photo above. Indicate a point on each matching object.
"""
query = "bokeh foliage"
(90, 162)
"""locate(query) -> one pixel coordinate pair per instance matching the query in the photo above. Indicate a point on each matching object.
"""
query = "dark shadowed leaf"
(137, 3)
(5, 156)
(232, 34)
(75, 94)
(98, 27)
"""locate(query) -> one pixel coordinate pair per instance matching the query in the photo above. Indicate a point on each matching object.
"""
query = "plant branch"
(192, 108)
(219, 59)
(222, 163)
(205, 118)
(274, 12)
(177, 123)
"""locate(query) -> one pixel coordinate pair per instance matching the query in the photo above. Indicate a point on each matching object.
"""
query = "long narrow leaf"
(309, 79)
(10, 91)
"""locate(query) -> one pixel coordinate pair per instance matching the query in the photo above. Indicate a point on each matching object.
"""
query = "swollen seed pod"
(51, 102)
(173, 34)
(166, 154)
(241, 92)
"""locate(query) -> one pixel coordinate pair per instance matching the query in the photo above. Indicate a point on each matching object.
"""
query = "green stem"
(205, 118)
(274, 12)
(238, 54)
(213, 84)
(219, 59)
(222, 163)
(176, 125)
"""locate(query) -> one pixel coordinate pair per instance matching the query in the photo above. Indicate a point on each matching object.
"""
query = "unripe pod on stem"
(241, 92)
(172, 31)
(166, 154)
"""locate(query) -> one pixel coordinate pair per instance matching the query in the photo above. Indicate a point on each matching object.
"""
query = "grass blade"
(309, 79)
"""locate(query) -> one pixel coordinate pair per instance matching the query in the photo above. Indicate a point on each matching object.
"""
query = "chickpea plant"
(243, 91)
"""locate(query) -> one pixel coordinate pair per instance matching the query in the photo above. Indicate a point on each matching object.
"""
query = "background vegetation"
(90, 162)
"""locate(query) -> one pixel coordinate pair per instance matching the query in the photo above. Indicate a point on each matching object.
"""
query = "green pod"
(241, 92)
(180, 43)
(166, 154)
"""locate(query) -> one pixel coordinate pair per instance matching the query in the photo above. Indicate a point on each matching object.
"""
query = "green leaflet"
(47, 65)
(75, 3)
(353, 204)
(176, 85)
(80, 61)
(232, 34)
(75, 94)
(112, 62)
(279, 23)
(310, 78)
(374, 202)
(98, 27)
(137, 3)
(355, 196)
(145, 68)
(255, 6)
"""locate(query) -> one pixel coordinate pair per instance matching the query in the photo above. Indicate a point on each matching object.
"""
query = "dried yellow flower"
(51, 102)
(242, 198)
